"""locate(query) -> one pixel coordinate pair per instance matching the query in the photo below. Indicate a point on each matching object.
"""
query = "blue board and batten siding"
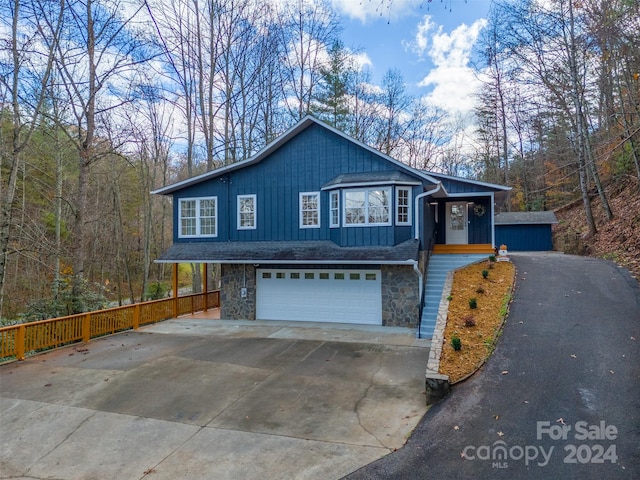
(525, 237)
(303, 164)
(525, 231)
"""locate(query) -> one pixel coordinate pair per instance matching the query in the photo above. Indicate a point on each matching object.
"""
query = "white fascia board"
(470, 194)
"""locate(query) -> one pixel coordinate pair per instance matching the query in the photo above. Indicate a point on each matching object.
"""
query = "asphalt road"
(559, 398)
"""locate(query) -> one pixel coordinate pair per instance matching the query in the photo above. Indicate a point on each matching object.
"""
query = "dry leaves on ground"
(476, 328)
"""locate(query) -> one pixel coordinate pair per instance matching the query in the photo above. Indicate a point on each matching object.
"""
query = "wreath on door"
(479, 210)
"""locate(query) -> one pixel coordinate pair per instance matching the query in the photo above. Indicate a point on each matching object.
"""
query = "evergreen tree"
(331, 103)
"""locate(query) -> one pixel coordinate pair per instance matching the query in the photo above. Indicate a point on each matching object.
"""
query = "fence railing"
(18, 340)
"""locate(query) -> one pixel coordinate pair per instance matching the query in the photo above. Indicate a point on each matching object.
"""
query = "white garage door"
(341, 296)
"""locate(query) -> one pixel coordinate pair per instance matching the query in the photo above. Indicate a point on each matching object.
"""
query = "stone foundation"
(400, 296)
(232, 305)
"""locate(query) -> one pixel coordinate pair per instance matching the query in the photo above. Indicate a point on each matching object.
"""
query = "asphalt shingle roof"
(321, 252)
(520, 218)
(371, 177)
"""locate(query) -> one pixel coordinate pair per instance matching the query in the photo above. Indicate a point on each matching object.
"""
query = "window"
(334, 199)
(367, 207)
(197, 217)
(403, 206)
(310, 210)
(246, 212)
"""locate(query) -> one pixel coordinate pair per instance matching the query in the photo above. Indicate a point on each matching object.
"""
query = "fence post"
(205, 303)
(175, 290)
(86, 328)
(136, 316)
(20, 339)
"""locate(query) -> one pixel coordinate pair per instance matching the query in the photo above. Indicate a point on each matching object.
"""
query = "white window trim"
(255, 212)
(366, 213)
(332, 195)
(197, 200)
(301, 195)
(397, 210)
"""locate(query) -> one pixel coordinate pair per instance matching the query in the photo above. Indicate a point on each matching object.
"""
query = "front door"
(457, 223)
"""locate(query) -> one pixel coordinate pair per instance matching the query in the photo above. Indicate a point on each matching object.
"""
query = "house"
(525, 231)
(320, 227)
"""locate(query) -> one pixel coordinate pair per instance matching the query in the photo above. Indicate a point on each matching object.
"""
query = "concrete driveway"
(559, 398)
(204, 399)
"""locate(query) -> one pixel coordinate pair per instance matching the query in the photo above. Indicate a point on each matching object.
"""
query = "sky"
(430, 42)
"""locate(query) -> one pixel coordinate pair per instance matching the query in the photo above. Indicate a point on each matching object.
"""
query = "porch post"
(493, 221)
(205, 286)
(175, 290)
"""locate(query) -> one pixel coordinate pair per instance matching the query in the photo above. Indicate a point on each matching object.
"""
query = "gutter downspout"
(493, 221)
(417, 236)
(417, 208)
(420, 280)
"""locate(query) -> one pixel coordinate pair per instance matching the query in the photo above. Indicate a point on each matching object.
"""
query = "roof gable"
(455, 184)
(283, 139)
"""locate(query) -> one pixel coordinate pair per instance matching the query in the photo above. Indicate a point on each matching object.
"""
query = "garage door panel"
(344, 296)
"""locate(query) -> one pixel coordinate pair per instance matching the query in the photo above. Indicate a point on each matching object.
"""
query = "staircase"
(439, 266)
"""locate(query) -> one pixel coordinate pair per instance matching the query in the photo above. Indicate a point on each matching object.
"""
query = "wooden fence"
(16, 341)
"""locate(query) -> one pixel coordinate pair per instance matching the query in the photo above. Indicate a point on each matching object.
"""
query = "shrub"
(156, 291)
(480, 289)
(88, 298)
(456, 343)
(492, 258)
(473, 303)
(485, 273)
(469, 321)
(449, 298)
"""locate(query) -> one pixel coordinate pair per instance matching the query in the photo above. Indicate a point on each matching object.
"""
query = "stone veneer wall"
(232, 305)
(400, 296)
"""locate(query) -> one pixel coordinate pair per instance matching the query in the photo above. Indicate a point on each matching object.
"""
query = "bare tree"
(307, 28)
(95, 53)
(395, 105)
(545, 41)
(23, 82)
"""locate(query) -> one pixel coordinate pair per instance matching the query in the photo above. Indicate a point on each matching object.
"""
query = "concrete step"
(438, 268)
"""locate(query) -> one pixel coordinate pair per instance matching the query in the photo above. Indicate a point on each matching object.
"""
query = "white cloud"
(361, 60)
(421, 41)
(364, 10)
(452, 81)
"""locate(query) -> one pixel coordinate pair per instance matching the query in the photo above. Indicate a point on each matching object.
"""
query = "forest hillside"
(617, 240)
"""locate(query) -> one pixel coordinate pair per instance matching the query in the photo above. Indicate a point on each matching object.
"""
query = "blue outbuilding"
(525, 231)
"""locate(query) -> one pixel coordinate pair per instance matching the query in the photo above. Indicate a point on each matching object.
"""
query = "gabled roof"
(302, 125)
(442, 176)
(526, 218)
